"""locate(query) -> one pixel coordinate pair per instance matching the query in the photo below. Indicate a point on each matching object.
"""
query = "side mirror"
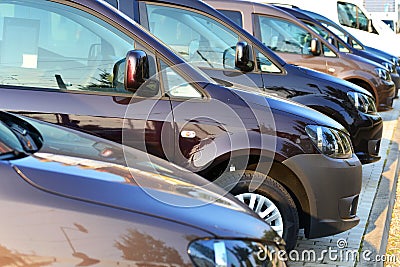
(136, 70)
(244, 57)
(133, 72)
(370, 27)
(315, 47)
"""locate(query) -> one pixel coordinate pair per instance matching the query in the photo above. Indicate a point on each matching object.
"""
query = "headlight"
(389, 66)
(226, 253)
(363, 103)
(330, 142)
(383, 74)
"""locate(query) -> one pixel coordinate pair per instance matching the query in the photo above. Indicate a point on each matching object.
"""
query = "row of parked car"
(97, 96)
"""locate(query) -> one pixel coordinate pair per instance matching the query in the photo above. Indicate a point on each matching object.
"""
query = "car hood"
(371, 56)
(105, 173)
(367, 64)
(259, 99)
(329, 81)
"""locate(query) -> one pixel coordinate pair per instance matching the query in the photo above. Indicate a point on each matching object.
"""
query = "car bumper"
(332, 187)
(386, 92)
(366, 137)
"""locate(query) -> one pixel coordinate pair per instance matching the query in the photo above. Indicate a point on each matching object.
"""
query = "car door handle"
(188, 134)
(331, 70)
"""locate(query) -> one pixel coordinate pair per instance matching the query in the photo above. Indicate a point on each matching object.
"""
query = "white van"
(354, 18)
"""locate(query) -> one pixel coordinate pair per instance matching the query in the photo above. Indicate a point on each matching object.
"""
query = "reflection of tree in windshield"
(104, 82)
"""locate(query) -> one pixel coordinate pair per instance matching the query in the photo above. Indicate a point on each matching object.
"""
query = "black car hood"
(258, 99)
(326, 81)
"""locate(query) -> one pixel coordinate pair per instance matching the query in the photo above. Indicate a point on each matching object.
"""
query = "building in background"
(385, 10)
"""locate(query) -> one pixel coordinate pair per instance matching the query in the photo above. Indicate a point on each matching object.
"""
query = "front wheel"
(271, 201)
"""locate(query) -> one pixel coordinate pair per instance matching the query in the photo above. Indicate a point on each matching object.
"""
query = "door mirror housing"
(136, 70)
(244, 57)
(315, 47)
(132, 71)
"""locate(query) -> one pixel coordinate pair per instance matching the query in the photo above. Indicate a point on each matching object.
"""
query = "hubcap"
(265, 208)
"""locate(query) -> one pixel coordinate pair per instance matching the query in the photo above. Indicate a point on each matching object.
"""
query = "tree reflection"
(140, 247)
(10, 258)
(103, 83)
(242, 254)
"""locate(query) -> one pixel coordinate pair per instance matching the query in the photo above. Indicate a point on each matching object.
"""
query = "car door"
(57, 64)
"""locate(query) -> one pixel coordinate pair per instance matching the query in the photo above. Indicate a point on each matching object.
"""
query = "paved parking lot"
(365, 244)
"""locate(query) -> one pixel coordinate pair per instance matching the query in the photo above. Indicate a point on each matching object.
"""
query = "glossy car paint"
(77, 205)
(349, 67)
(104, 114)
(301, 15)
(314, 89)
(356, 44)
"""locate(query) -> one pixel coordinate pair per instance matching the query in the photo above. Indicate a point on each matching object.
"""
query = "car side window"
(61, 48)
(324, 34)
(175, 85)
(283, 36)
(327, 51)
(343, 36)
(197, 38)
(335, 31)
(352, 16)
(265, 65)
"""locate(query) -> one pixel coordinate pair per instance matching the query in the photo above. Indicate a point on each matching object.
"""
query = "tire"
(270, 194)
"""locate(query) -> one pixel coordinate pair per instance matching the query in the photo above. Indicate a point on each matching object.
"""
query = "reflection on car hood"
(274, 102)
(196, 189)
(87, 168)
(141, 191)
(344, 85)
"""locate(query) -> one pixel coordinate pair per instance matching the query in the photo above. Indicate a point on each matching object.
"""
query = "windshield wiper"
(204, 58)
